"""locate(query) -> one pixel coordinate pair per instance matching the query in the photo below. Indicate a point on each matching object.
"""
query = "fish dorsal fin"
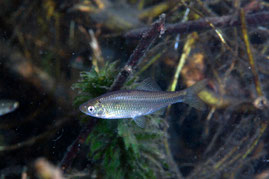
(140, 121)
(149, 85)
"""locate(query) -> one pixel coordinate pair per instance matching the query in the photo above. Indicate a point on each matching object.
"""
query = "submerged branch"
(148, 38)
(202, 24)
(249, 53)
(75, 147)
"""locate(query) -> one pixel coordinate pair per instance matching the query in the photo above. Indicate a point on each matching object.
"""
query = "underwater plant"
(119, 148)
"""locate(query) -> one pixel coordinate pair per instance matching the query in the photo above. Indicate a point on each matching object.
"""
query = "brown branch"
(202, 24)
(75, 146)
(148, 38)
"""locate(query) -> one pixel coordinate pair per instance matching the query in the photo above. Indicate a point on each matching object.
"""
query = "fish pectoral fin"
(140, 121)
(148, 85)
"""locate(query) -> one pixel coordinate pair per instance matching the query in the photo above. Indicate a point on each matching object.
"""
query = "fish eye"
(90, 109)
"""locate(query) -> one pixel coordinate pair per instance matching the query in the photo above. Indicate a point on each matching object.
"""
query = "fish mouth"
(83, 109)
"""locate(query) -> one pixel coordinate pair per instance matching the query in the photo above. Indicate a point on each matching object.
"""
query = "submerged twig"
(249, 53)
(257, 82)
(75, 146)
(256, 141)
(148, 38)
(97, 59)
(202, 24)
(186, 51)
(96, 49)
(237, 148)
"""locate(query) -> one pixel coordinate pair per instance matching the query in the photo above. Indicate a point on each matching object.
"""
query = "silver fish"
(144, 100)
(7, 106)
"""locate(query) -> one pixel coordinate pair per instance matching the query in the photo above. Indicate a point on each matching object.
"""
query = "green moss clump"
(119, 148)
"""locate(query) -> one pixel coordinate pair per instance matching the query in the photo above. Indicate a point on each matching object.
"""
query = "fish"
(146, 99)
(8, 106)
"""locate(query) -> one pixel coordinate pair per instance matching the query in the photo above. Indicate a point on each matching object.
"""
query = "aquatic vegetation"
(118, 148)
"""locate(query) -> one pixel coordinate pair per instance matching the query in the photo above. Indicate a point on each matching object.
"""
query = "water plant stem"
(249, 53)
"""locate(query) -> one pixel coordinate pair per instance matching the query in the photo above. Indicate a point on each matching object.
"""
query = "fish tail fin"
(191, 97)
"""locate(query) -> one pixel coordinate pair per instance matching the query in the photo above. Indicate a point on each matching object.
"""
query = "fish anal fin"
(160, 111)
(140, 121)
(148, 85)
